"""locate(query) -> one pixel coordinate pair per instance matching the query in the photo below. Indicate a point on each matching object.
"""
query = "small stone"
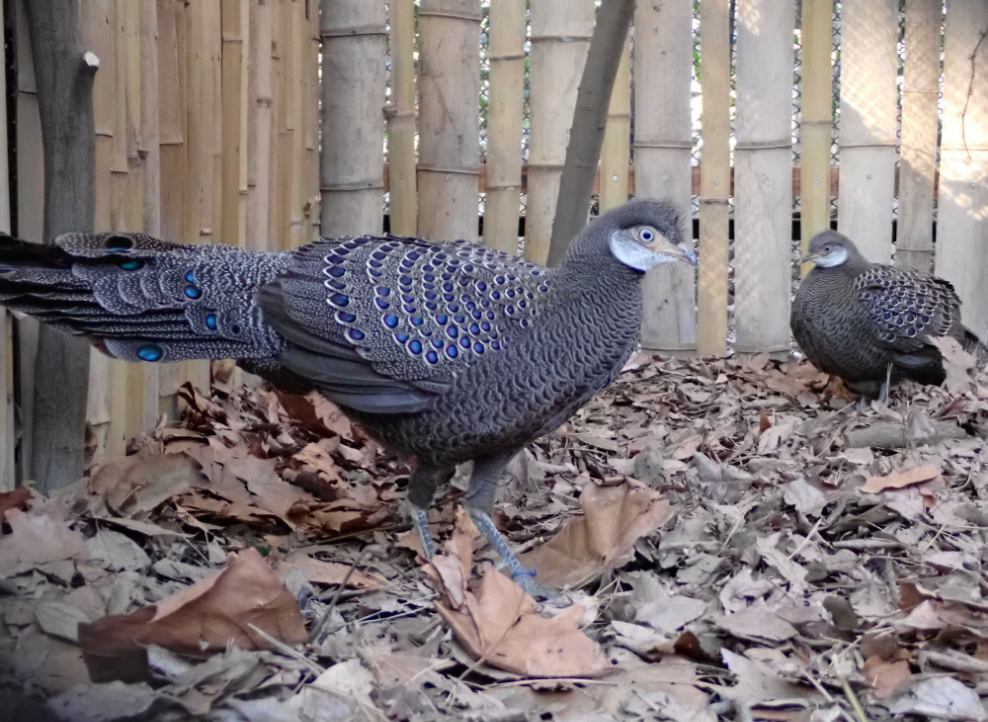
(648, 465)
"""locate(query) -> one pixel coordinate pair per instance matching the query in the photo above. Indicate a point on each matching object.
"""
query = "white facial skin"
(643, 248)
(831, 256)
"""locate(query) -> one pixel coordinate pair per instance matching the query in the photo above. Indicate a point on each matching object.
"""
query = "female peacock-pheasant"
(448, 352)
(869, 323)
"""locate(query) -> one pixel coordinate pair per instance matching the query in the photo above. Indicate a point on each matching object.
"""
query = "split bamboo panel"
(233, 198)
(259, 127)
(299, 45)
(869, 32)
(401, 115)
(354, 86)
(286, 125)
(175, 193)
(504, 125)
(918, 165)
(30, 216)
(615, 153)
(962, 222)
(310, 108)
(763, 175)
(814, 202)
(276, 216)
(715, 182)
(561, 32)
(449, 147)
(663, 144)
(7, 441)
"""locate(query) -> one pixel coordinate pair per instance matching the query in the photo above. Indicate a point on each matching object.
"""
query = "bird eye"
(646, 235)
(826, 249)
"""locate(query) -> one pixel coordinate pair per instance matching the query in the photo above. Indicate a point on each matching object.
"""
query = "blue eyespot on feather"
(401, 337)
(432, 357)
(441, 320)
(381, 303)
(451, 331)
(405, 281)
(150, 353)
(132, 265)
(485, 326)
(390, 321)
(478, 347)
(193, 292)
(474, 329)
(190, 276)
(382, 291)
(211, 321)
(437, 343)
(355, 334)
(344, 317)
(495, 345)
(452, 351)
(416, 321)
(415, 347)
(339, 300)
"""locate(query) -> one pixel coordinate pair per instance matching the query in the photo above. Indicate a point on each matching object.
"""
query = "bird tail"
(142, 299)
(974, 346)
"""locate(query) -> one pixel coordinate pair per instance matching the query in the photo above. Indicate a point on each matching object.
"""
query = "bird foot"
(522, 576)
(421, 523)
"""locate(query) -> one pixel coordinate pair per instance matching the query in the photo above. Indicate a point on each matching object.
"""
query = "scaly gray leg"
(421, 488)
(883, 393)
(479, 503)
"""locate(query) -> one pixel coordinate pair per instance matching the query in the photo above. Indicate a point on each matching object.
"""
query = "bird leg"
(421, 488)
(479, 503)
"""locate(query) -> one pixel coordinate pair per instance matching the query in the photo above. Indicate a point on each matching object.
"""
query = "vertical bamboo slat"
(7, 471)
(354, 42)
(311, 109)
(814, 178)
(403, 188)
(299, 44)
(663, 144)
(504, 124)
(869, 31)
(962, 216)
(763, 175)
(260, 116)
(275, 214)
(561, 32)
(449, 147)
(917, 167)
(233, 51)
(615, 154)
(715, 180)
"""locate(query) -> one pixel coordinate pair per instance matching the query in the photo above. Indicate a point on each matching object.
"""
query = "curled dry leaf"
(614, 518)
(16, 499)
(320, 572)
(38, 537)
(134, 485)
(200, 620)
(958, 364)
(901, 478)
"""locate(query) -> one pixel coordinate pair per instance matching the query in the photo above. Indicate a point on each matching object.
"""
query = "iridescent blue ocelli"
(152, 352)
(193, 292)
(336, 271)
(390, 321)
(382, 291)
(452, 332)
(452, 351)
(132, 265)
(381, 303)
(415, 347)
(465, 342)
(355, 334)
(416, 321)
(401, 337)
(432, 357)
(339, 300)
(345, 317)
(478, 347)
(211, 321)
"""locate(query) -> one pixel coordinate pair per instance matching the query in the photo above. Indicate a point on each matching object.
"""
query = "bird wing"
(384, 324)
(907, 308)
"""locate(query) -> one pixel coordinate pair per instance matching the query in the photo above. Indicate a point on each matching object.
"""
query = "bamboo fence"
(208, 130)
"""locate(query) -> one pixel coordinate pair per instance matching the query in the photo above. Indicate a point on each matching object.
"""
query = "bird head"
(643, 234)
(830, 249)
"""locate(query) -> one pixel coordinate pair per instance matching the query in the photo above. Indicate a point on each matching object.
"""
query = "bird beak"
(809, 258)
(688, 254)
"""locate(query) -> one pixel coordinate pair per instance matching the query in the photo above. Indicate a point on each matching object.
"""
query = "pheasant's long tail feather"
(141, 299)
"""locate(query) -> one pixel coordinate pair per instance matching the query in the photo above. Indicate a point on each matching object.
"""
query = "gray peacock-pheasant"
(871, 324)
(447, 352)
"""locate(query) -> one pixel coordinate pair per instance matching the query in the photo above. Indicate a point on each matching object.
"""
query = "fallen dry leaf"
(957, 362)
(884, 676)
(133, 485)
(614, 518)
(320, 572)
(899, 479)
(16, 499)
(199, 621)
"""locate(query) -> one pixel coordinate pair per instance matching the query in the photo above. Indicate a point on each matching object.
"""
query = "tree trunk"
(65, 101)
(589, 122)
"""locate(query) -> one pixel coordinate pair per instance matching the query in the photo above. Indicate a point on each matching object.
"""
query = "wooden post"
(561, 33)
(962, 218)
(355, 40)
(234, 49)
(814, 180)
(869, 31)
(64, 77)
(917, 167)
(663, 143)
(504, 121)
(449, 150)
(763, 177)
(615, 155)
(715, 180)
(401, 116)
(259, 128)
(7, 441)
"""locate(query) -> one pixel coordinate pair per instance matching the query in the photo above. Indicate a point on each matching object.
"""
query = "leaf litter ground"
(741, 542)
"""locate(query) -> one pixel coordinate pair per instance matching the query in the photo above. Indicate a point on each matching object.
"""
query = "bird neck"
(602, 288)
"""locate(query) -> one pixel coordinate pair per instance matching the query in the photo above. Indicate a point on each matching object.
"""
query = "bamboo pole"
(962, 217)
(233, 13)
(869, 32)
(561, 33)
(275, 214)
(310, 191)
(615, 154)
(715, 185)
(917, 167)
(260, 117)
(663, 143)
(283, 184)
(355, 41)
(30, 218)
(814, 202)
(449, 151)
(504, 125)
(763, 187)
(401, 116)
(7, 441)
(299, 43)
